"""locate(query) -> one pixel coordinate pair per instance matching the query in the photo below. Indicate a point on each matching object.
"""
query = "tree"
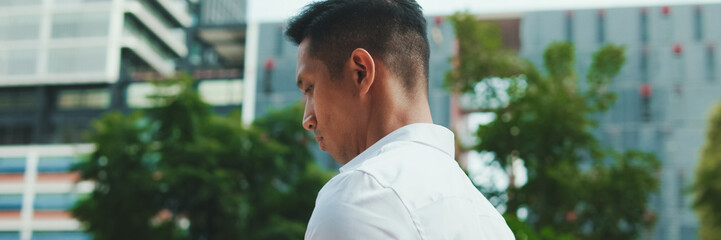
(575, 185)
(707, 187)
(180, 171)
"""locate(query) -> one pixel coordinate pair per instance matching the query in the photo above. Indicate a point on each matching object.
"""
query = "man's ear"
(364, 70)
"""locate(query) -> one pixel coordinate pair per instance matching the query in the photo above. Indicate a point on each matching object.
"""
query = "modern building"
(665, 90)
(64, 63)
(36, 189)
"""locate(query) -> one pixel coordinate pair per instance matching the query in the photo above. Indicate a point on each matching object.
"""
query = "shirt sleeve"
(358, 207)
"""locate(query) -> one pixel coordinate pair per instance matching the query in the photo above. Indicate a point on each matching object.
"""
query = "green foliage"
(523, 231)
(707, 187)
(480, 54)
(575, 186)
(180, 171)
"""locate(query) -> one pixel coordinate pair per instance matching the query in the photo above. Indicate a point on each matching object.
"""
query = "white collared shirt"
(405, 186)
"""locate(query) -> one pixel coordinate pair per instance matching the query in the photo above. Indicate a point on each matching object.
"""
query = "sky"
(281, 10)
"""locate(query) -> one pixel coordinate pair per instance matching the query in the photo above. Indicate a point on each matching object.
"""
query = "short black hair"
(392, 30)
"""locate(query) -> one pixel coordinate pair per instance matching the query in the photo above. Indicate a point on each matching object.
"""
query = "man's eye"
(307, 90)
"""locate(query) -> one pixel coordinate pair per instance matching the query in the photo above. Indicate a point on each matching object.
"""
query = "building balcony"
(177, 10)
(157, 24)
(144, 49)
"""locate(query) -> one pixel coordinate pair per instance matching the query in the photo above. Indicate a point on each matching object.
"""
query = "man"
(363, 70)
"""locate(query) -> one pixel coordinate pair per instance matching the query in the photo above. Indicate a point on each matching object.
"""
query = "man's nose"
(309, 121)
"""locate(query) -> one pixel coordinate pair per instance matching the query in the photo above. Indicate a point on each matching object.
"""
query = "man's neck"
(392, 115)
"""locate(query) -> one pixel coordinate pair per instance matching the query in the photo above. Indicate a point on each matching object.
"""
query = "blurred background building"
(665, 90)
(65, 62)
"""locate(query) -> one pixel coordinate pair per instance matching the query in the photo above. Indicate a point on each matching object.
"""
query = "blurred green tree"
(180, 171)
(574, 185)
(707, 187)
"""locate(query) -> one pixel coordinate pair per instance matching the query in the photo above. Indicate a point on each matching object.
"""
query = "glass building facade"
(62, 64)
(665, 89)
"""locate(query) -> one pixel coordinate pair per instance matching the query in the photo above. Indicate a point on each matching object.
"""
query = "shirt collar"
(425, 133)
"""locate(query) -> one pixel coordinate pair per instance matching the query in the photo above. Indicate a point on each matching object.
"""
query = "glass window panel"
(78, 1)
(17, 98)
(12, 165)
(65, 235)
(25, 99)
(84, 98)
(55, 164)
(697, 24)
(15, 134)
(77, 60)
(54, 201)
(22, 62)
(9, 3)
(14, 28)
(11, 201)
(6, 100)
(138, 94)
(18, 62)
(97, 98)
(72, 25)
(4, 62)
(69, 99)
(10, 235)
(710, 63)
(221, 92)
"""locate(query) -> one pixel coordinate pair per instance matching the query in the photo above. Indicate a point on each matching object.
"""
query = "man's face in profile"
(329, 105)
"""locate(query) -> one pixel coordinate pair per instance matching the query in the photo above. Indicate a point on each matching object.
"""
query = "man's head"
(393, 31)
(357, 60)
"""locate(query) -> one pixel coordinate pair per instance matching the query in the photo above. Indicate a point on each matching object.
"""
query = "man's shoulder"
(401, 164)
(354, 205)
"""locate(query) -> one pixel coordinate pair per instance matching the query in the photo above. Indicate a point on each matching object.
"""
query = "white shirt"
(405, 186)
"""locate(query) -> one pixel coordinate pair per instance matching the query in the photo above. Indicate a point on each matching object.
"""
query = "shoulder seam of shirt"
(413, 218)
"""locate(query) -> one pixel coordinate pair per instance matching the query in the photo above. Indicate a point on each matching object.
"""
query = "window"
(644, 25)
(16, 134)
(4, 3)
(12, 165)
(18, 62)
(7, 235)
(78, 1)
(643, 64)
(710, 63)
(67, 235)
(13, 28)
(71, 130)
(697, 24)
(569, 26)
(11, 201)
(138, 94)
(55, 164)
(601, 26)
(221, 92)
(17, 98)
(74, 25)
(279, 41)
(77, 60)
(98, 98)
(55, 201)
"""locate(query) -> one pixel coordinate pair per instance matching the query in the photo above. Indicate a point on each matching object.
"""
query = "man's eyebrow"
(299, 82)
